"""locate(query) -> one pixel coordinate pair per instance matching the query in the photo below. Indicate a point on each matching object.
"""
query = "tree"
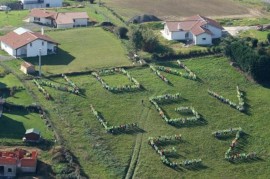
(136, 38)
(121, 32)
(150, 41)
(268, 37)
(254, 42)
(91, 1)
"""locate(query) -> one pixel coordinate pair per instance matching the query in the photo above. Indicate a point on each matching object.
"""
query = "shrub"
(121, 32)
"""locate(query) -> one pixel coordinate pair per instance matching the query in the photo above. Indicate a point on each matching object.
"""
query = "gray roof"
(28, 131)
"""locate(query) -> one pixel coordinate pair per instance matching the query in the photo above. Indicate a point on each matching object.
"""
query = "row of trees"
(254, 61)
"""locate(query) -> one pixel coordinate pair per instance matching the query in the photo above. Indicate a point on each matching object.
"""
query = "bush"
(121, 32)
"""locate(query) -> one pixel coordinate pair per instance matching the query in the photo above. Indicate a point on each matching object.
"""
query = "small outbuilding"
(27, 68)
(32, 135)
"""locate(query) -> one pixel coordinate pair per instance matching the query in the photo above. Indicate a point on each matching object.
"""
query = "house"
(32, 135)
(27, 68)
(197, 29)
(25, 43)
(60, 20)
(30, 4)
(18, 160)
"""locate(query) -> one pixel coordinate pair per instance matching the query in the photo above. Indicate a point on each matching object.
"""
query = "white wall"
(199, 40)
(64, 26)
(33, 51)
(54, 3)
(81, 22)
(217, 33)
(180, 35)
(42, 20)
(8, 49)
(166, 33)
(51, 3)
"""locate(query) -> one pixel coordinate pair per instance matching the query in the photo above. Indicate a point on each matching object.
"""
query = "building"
(25, 43)
(27, 68)
(60, 20)
(32, 135)
(30, 4)
(197, 29)
(19, 160)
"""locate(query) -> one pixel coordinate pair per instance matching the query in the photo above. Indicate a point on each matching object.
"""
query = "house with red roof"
(198, 29)
(24, 43)
(60, 20)
(18, 160)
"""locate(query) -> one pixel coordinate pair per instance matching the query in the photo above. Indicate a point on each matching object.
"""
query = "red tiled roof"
(42, 13)
(194, 24)
(16, 41)
(68, 17)
(27, 64)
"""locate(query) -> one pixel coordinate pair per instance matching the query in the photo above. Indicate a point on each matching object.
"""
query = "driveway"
(235, 30)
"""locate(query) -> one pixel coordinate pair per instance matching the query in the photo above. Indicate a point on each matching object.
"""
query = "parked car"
(4, 8)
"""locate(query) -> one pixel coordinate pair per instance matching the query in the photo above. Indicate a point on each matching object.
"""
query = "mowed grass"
(83, 49)
(260, 35)
(12, 19)
(173, 9)
(103, 155)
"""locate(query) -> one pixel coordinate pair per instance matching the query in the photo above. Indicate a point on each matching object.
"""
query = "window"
(203, 38)
(186, 35)
(36, 19)
(30, 44)
(2, 170)
(9, 170)
(42, 43)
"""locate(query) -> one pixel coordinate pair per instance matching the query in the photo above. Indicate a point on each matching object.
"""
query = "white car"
(4, 8)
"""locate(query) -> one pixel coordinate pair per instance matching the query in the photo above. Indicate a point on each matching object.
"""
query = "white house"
(198, 29)
(25, 43)
(60, 20)
(30, 4)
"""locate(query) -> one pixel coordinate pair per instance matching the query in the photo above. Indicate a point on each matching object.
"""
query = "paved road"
(235, 30)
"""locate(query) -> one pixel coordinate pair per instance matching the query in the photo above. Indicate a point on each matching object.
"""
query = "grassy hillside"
(108, 156)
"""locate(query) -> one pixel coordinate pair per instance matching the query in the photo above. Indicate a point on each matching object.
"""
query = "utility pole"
(39, 62)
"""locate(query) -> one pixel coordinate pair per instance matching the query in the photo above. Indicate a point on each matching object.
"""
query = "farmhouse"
(18, 160)
(32, 135)
(61, 20)
(197, 29)
(30, 4)
(25, 43)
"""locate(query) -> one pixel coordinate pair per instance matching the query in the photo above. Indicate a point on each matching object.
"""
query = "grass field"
(172, 9)
(12, 19)
(260, 35)
(83, 49)
(104, 155)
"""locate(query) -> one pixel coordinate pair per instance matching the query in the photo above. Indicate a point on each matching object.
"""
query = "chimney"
(179, 26)
(42, 31)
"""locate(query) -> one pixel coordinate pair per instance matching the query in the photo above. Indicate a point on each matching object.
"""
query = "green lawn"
(83, 49)
(260, 35)
(244, 21)
(103, 155)
(12, 18)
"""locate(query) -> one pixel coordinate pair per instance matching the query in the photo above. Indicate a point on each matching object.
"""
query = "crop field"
(176, 8)
(105, 155)
(83, 49)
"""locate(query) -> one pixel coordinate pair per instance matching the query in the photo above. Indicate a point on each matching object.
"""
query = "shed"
(27, 68)
(32, 135)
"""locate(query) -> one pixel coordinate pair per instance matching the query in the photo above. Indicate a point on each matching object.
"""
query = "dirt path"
(137, 147)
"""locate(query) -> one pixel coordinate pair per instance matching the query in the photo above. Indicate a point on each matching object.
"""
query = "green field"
(260, 35)
(83, 49)
(103, 155)
(12, 18)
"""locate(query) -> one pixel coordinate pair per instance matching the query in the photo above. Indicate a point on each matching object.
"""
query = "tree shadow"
(61, 58)
(10, 128)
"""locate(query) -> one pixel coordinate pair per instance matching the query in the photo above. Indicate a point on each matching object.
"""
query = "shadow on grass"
(196, 167)
(61, 58)
(200, 122)
(11, 129)
(131, 131)
(248, 161)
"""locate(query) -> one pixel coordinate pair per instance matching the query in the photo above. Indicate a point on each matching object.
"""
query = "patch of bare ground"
(178, 8)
